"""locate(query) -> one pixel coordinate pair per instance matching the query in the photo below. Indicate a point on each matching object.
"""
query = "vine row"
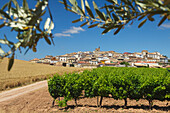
(115, 82)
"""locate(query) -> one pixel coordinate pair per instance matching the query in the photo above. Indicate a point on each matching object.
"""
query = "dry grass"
(24, 72)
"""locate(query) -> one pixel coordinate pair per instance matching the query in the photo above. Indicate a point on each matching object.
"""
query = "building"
(105, 58)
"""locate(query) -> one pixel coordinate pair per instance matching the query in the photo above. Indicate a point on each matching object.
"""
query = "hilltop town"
(99, 58)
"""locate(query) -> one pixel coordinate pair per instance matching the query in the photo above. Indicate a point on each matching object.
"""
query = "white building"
(63, 58)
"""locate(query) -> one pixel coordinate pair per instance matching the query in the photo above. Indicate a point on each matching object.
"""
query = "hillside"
(24, 72)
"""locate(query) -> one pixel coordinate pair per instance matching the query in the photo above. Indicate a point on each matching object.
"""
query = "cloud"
(62, 35)
(166, 25)
(74, 30)
(68, 32)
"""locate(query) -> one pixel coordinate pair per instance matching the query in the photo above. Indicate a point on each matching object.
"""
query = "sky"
(69, 37)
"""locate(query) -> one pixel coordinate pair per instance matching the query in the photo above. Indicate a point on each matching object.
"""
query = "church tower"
(97, 49)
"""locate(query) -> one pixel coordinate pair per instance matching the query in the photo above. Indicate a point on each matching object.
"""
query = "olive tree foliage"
(115, 14)
(26, 23)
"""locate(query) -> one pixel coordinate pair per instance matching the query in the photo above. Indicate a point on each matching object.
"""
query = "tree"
(117, 14)
(27, 23)
(125, 63)
(113, 15)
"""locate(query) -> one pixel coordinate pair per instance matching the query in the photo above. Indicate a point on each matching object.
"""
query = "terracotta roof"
(168, 66)
(63, 56)
(150, 58)
(94, 60)
(162, 57)
(117, 53)
(111, 63)
(127, 53)
(138, 53)
(74, 53)
(72, 59)
(144, 62)
(152, 53)
(48, 56)
(111, 51)
(140, 64)
(145, 51)
(53, 58)
(35, 59)
(81, 62)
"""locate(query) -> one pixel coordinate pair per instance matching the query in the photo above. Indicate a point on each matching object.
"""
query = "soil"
(35, 98)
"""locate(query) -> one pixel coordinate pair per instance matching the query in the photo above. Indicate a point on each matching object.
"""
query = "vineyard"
(118, 83)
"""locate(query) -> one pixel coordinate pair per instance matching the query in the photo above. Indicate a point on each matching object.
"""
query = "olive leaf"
(88, 9)
(75, 21)
(11, 62)
(84, 24)
(47, 40)
(162, 20)
(141, 24)
(119, 28)
(94, 25)
(25, 5)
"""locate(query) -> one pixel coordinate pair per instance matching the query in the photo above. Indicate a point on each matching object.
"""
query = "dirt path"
(35, 98)
(7, 95)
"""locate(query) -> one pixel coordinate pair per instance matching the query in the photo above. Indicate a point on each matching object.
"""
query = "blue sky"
(69, 37)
